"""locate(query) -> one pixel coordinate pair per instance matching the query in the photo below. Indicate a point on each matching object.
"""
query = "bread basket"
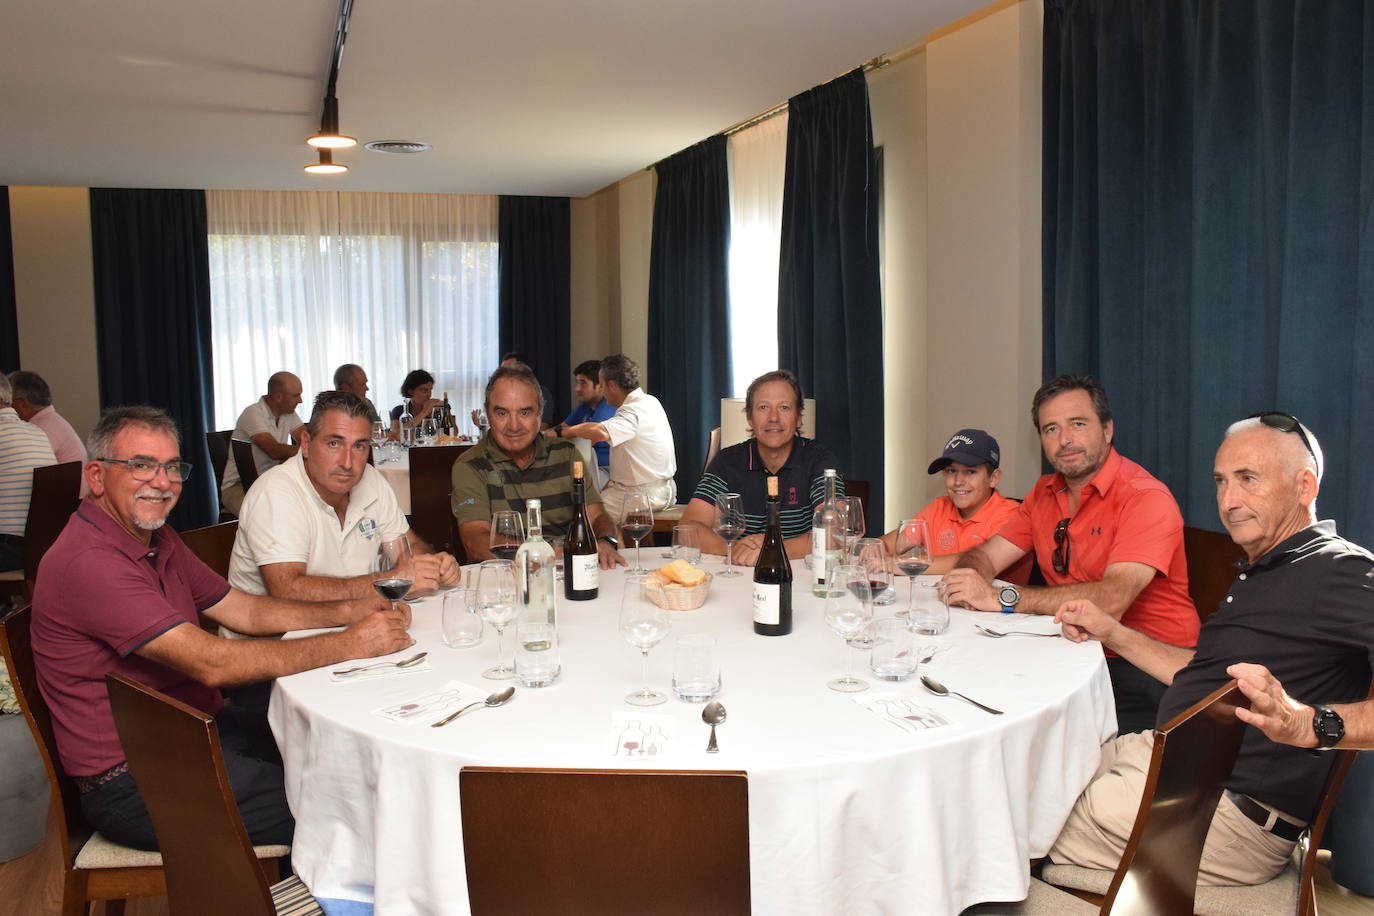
(677, 597)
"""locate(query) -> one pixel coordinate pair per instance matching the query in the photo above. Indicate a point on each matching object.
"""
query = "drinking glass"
(894, 650)
(930, 615)
(559, 544)
(848, 609)
(429, 431)
(638, 521)
(696, 672)
(643, 624)
(507, 534)
(730, 526)
(379, 434)
(872, 556)
(391, 581)
(536, 654)
(496, 601)
(912, 555)
(854, 527)
(461, 624)
(687, 543)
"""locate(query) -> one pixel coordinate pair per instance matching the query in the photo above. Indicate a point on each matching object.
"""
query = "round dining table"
(849, 811)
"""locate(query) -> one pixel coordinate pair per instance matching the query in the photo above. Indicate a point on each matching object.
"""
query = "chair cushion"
(1042, 899)
(1092, 880)
(292, 898)
(1277, 896)
(102, 853)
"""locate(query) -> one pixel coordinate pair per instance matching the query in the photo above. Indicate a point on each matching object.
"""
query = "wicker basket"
(676, 597)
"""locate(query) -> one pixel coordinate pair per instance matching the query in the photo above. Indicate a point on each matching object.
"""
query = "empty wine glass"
(872, 556)
(730, 526)
(912, 555)
(428, 431)
(507, 534)
(848, 610)
(392, 568)
(379, 434)
(496, 601)
(854, 527)
(643, 624)
(638, 521)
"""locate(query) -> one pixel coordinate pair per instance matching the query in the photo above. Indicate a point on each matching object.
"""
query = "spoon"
(940, 690)
(403, 663)
(496, 699)
(998, 634)
(713, 715)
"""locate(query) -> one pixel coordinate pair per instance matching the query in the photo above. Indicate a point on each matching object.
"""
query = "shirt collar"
(1284, 551)
(799, 444)
(91, 512)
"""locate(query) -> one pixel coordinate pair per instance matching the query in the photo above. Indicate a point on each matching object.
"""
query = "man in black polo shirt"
(773, 406)
(1295, 630)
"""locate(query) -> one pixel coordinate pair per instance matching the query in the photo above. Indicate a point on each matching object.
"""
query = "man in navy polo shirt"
(773, 406)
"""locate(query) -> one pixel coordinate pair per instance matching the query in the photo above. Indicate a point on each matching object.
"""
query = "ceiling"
(547, 97)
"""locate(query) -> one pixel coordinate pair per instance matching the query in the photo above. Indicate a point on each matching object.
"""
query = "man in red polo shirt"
(1102, 529)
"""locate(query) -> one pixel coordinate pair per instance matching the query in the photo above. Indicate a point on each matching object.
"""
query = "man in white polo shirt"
(642, 455)
(270, 423)
(312, 525)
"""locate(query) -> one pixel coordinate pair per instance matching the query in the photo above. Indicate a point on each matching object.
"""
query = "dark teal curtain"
(1208, 247)
(830, 316)
(535, 312)
(9, 311)
(152, 309)
(689, 320)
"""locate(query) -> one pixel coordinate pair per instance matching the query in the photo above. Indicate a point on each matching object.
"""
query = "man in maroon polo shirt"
(119, 592)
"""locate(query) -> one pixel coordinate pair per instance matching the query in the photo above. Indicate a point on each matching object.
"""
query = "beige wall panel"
(983, 224)
(636, 231)
(595, 279)
(55, 293)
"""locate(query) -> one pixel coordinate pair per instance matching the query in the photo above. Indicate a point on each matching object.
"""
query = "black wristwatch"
(1009, 596)
(610, 540)
(1327, 725)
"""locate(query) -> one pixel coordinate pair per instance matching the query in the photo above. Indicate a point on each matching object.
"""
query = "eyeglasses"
(1061, 547)
(1286, 423)
(143, 470)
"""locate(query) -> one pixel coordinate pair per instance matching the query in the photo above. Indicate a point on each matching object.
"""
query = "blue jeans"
(254, 766)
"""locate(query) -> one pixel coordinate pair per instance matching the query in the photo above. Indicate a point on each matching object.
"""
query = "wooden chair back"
(175, 756)
(1307, 888)
(79, 885)
(217, 441)
(1193, 755)
(242, 450)
(56, 494)
(605, 842)
(712, 450)
(431, 482)
(1211, 559)
(213, 544)
(860, 488)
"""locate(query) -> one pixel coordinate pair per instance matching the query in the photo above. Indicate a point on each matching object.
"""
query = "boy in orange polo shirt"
(971, 511)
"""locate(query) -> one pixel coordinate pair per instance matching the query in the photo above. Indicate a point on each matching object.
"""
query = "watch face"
(1009, 596)
(1328, 726)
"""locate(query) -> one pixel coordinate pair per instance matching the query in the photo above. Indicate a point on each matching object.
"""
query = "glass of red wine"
(912, 555)
(870, 554)
(637, 522)
(507, 534)
(391, 570)
(730, 527)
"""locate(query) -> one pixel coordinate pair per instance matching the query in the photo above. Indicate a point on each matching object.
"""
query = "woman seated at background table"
(419, 388)
(773, 409)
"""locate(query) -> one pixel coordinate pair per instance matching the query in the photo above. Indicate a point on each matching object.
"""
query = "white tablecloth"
(397, 473)
(847, 813)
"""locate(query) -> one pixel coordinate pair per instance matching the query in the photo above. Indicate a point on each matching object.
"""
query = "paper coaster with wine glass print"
(639, 736)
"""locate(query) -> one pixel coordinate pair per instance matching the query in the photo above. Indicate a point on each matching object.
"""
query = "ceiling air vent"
(397, 146)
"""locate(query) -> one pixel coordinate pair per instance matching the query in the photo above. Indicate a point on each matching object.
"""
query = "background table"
(847, 812)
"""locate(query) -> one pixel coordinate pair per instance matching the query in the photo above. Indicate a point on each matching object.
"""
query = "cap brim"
(967, 460)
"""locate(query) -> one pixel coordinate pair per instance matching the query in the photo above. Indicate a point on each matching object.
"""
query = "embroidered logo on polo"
(948, 541)
(368, 528)
(1097, 531)
(791, 496)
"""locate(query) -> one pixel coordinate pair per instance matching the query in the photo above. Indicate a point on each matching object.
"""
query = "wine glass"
(429, 431)
(848, 610)
(730, 526)
(854, 527)
(637, 522)
(507, 534)
(912, 555)
(379, 434)
(391, 581)
(872, 556)
(643, 624)
(496, 601)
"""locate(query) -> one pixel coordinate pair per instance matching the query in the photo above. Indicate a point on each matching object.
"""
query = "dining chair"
(665, 519)
(242, 452)
(175, 755)
(605, 842)
(431, 482)
(1211, 558)
(213, 544)
(93, 868)
(217, 441)
(55, 496)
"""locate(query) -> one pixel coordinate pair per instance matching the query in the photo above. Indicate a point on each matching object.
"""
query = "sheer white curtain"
(307, 280)
(758, 160)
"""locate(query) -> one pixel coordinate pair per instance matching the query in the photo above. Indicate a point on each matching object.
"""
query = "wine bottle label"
(818, 555)
(585, 571)
(767, 603)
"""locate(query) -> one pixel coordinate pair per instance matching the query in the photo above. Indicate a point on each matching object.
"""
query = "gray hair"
(31, 387)
(519, 373)
(349, 404)
(6, 391)
(344, 374)
(1316, 461)
(622, 370)
(115, 420)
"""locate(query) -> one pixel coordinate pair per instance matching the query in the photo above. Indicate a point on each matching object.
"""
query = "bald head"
(1266, 485)
(283, 393)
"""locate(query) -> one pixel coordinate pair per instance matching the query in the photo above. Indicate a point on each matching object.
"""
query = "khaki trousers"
(1237, 850)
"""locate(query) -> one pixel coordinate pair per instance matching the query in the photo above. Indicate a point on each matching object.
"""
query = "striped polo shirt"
(801, 483)
(23, 447)
(486, 480)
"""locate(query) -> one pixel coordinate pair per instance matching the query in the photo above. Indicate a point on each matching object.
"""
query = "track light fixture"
(329, 138)
(326, 165)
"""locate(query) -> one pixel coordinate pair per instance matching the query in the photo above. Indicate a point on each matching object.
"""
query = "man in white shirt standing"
(270, 423)
(642, 454)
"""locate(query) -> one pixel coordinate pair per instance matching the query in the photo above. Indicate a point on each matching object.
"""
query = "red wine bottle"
(773, 576)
